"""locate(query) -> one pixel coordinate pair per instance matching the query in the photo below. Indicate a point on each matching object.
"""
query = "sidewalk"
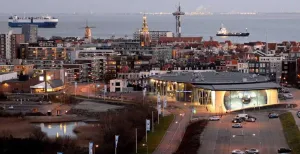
(175, 132)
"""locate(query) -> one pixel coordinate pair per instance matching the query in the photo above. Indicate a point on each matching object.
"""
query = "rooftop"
(212, 78)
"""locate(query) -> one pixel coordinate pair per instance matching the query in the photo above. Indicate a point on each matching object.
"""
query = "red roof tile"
(211, 44)
(228, 42)
(295, 49)
(272, 46)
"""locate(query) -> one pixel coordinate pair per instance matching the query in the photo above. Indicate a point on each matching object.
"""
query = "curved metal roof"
(212, 78)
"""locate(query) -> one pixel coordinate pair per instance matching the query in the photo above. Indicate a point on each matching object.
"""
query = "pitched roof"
(211, 44)
(272, 46)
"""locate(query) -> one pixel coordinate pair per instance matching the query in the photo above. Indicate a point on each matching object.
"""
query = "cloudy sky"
(133, 6)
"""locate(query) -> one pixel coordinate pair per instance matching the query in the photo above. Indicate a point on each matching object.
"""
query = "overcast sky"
(133, 6)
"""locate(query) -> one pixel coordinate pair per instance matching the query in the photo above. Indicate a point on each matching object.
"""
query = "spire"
(145, 25)
(144, 34)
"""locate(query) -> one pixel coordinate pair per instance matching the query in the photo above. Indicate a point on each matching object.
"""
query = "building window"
(117, 83)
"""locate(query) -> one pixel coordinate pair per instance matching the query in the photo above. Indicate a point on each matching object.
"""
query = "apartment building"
(154, 35)
(76, 72)
(5, 46)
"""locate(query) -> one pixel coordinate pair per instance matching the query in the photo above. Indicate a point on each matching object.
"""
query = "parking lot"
(265, 135)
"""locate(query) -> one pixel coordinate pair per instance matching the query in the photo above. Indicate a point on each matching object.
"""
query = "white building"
(118, 85)
(243, 67)
(8, 76)
(89, 53)
(271, 58)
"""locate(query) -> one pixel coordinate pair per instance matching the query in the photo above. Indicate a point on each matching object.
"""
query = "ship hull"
(235, 34)
(40, 25)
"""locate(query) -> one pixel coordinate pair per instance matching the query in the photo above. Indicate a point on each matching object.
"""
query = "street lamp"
(95, 147)
(145, 145)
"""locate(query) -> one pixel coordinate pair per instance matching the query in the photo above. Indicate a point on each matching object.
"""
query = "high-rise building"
(16, 40)
(30, 33)
(5, 46)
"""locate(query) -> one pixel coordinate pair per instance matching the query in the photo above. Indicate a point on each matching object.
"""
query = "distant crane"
(88, 32)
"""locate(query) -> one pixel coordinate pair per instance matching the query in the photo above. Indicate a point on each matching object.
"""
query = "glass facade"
(234, 100)
(202, 96)
(184, 92)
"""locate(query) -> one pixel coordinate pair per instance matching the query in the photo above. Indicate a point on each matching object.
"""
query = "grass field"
(291, 131)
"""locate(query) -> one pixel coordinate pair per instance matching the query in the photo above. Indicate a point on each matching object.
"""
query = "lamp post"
(145, 145)
(64, 96)
(95, 147)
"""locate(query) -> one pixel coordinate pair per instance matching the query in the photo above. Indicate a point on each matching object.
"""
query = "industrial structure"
(178, 15)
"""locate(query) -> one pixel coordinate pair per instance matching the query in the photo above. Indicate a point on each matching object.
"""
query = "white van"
(244, 116)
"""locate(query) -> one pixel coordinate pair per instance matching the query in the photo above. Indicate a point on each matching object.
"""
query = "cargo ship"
(41, 22)
(223, 32)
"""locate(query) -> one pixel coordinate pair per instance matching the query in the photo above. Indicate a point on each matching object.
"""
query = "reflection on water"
(60, 129)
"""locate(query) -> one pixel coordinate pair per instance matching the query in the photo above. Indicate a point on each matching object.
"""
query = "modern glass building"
(219, 91)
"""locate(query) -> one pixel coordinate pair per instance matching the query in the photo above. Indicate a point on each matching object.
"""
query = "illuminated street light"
(145, 145)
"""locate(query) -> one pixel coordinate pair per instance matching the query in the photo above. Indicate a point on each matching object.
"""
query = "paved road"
(174, 134)
(265, 134)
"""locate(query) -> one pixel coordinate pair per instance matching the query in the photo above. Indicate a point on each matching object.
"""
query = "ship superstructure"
(41, 22)
(223, 32)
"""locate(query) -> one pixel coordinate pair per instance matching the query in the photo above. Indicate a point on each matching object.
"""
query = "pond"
(60, 129)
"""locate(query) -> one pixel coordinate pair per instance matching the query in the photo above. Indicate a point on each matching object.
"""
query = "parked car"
(288, 96)
(298, 114)
(273, 115)
(237, 120)
(214, 118)
(11, 107)
(243, 116)
(284, 150)
(237, 151)
(284, 90)
(237, 125)
(252, 151)
(251, 119)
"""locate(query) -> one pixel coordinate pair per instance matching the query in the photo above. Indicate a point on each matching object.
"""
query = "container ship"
(41, 22)
(223, 32)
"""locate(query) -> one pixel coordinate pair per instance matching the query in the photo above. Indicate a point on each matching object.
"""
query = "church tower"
(144, 35)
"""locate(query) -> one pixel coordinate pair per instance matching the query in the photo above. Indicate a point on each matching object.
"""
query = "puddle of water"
(60, 129)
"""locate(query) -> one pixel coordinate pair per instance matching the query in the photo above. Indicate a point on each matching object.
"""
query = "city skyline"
(115, 6)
